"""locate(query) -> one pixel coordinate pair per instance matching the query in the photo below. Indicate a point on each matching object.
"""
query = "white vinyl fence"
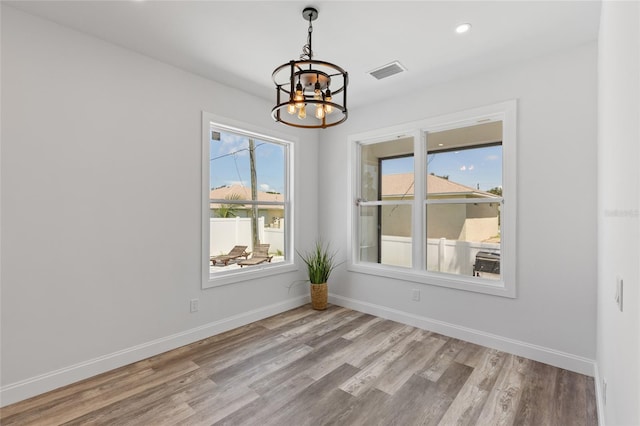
(224, 233)
(451, 256)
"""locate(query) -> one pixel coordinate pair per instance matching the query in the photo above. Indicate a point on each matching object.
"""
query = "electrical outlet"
(415, 295)
(194, 305)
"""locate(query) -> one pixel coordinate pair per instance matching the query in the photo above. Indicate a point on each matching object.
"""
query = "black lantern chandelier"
(307, 89)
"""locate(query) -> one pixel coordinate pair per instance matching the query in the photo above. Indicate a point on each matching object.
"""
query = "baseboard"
(28, 388)
(538, 353)
(599, 394)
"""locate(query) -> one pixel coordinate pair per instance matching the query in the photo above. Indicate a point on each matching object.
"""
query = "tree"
(229, 210)
(496, 191)
(442, 177)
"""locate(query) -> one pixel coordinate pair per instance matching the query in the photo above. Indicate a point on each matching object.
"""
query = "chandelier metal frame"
(309, 82)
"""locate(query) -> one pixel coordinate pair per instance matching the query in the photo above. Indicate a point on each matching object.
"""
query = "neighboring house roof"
(402, 184)
(245, 194)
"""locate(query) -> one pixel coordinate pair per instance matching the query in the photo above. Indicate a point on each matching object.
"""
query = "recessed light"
(440, 144)
(463, 28)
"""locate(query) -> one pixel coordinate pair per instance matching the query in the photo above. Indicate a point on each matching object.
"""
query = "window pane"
(240, 163)
(244, 173)
(465, 162)
(369, 244)
(464, 239)
(385, 234)
(385, 158)
(229, 232)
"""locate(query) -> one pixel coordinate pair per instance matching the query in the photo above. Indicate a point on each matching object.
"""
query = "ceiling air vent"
(387, 70)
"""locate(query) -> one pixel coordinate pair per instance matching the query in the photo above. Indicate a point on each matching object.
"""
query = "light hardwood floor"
(306, 367)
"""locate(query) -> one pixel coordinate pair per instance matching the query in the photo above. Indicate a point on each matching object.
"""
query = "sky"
(470, 167)
(229, 163)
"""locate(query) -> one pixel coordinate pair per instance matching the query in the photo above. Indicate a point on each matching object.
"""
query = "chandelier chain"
(307, 52)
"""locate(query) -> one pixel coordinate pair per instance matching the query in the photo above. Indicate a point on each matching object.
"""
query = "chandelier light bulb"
(302, 114)
(319, 112)
(291, 108)
(317, 93)
(327, 97)
(299, 96)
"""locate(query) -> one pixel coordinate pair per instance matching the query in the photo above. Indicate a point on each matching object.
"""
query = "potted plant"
(320, 262)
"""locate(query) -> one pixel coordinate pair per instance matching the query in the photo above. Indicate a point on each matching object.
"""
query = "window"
(435, 201)
(247, 211)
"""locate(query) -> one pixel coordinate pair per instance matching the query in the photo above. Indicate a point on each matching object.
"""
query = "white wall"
(553, 317)
(100, 149)
(618, 349)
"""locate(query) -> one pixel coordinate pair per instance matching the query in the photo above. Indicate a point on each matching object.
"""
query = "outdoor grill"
(486, 262)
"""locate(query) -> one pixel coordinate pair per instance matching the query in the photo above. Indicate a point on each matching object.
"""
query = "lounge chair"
(260, 254)
(236, 252)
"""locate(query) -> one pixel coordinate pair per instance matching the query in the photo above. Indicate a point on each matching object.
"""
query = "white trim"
(288, 141)
(528, 350)
(506, 285)
(475, 284)
(256, 271)
(33, 386)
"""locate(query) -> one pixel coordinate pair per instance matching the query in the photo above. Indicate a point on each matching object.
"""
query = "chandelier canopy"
(307, 86)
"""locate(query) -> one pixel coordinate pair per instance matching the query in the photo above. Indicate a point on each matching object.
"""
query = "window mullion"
(466, 201)
(417, 228)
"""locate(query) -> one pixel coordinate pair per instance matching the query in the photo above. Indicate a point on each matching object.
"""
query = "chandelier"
(306, 88)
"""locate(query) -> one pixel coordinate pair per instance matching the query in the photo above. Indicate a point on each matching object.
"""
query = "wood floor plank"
(412, 359)
(367, 409)
(443, 359)
(287, 317)
(179, 390)
(442, 394)
(377, 340)
(72, 408)
(364, 328)
(421, 401)
(570, 397)
(315, 397)
(359, 350)
(216, 405)
(466, 408)
(333, 367)
(504, 399)
(370, 375)
(340, 331)
(537, 400)
(249, 373)
(271, 401)
(469, 355)
(79, 390)
(590, 396)
(319, 355)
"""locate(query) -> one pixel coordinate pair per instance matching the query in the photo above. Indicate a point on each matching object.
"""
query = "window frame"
(209, 280)
(506, 286)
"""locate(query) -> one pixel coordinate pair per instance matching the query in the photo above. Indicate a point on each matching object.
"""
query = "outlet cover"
(194, 305)
(415, 295)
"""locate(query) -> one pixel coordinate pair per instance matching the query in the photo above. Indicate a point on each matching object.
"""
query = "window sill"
(473, 284)
(255, 272)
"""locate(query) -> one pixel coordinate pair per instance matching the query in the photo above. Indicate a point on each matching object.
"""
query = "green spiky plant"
(320, 262)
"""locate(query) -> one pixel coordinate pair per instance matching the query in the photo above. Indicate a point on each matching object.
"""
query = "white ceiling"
(239, 43)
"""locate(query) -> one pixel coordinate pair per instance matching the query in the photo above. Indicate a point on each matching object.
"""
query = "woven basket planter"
(319, 296)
